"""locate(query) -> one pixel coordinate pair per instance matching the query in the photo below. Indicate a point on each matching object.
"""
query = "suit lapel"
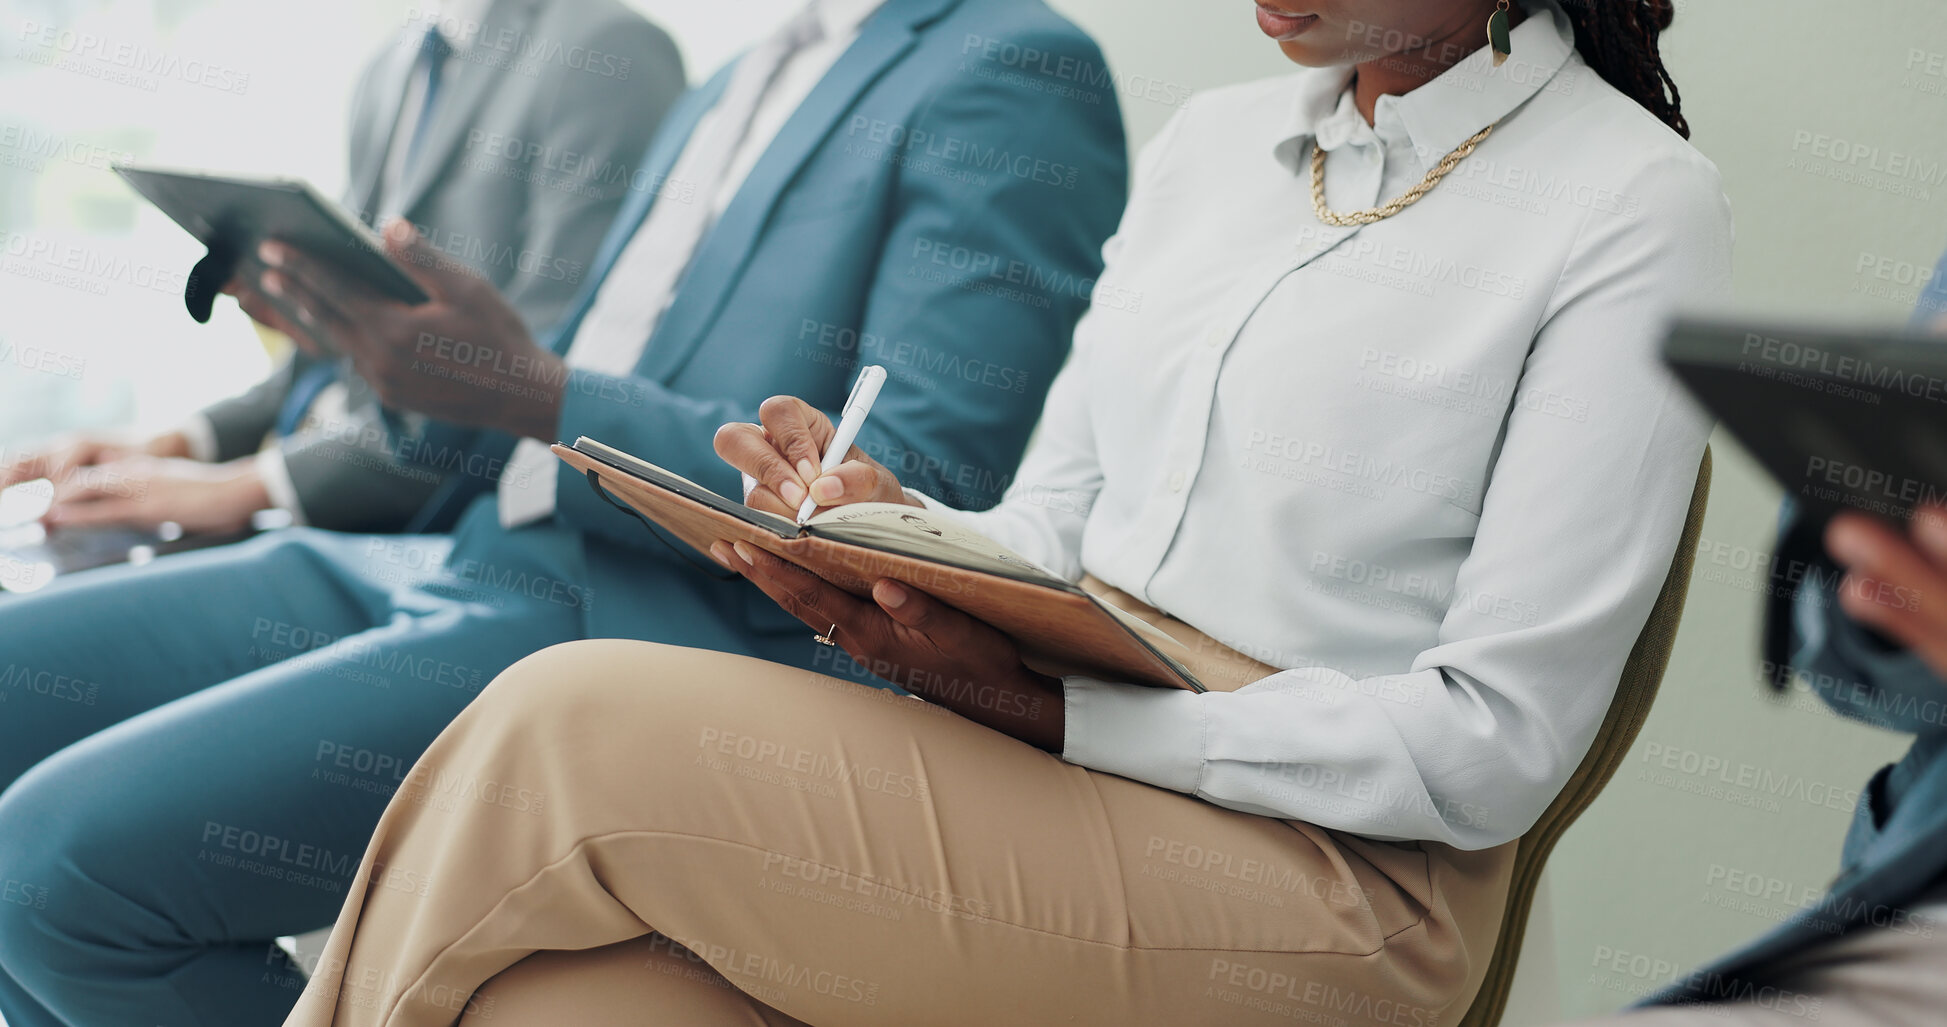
(378, 122)
(644, 186)
(723, 253)
(465, 83)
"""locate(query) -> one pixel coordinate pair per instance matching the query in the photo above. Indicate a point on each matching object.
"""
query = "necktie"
(431, 60)
(304, 392)
(433, 51)
(612, 336)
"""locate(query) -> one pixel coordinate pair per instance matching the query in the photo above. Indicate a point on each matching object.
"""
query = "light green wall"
(1635, 875)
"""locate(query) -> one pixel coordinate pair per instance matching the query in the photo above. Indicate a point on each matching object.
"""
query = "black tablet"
(1842, 418)
(235, 212)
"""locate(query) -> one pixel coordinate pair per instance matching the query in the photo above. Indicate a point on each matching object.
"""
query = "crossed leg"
(844, 855)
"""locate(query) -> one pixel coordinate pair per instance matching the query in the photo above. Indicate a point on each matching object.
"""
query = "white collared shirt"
(459, 23)
(840, 21)
(612, 337)
(1431, 466)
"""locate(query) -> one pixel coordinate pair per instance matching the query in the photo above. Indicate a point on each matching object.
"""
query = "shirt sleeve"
(200, 436)
(278, 484)
(1578, 529)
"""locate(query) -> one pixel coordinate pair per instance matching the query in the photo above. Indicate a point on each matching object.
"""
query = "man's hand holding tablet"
(463, 357)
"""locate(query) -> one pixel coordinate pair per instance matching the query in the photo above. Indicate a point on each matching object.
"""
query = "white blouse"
(1430, 466)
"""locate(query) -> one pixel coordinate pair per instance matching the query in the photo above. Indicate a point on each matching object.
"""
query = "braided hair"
(1618, 39)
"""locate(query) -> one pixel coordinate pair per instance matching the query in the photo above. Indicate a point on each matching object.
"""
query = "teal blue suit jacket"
(936, 205)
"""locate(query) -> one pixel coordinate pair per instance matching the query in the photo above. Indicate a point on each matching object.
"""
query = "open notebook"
(1060, 627)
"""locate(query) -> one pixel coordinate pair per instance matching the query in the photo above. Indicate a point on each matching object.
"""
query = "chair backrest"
(1641, 676)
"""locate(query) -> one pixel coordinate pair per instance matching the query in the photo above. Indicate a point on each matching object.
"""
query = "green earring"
(1497, 34)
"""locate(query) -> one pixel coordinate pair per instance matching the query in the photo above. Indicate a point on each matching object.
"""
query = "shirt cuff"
(200, 434)
(277, 483)
(1147, 734)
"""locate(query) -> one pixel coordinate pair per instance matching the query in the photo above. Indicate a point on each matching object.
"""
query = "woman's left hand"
(918, 643)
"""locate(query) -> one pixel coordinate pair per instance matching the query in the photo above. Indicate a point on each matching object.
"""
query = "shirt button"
(1213, 339)
(1176, 482)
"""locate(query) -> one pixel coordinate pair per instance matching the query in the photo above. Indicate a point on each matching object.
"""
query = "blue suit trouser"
(194, 754)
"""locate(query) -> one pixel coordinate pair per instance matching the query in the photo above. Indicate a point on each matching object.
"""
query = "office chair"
(1641, 676)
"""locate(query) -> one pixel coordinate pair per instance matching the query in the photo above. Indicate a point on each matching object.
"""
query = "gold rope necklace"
(1405, 200)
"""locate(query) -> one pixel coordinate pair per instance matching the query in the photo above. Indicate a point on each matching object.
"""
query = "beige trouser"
(744, 843)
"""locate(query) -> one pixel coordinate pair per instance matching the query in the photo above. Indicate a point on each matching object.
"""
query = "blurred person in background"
(477, 127)
(1858, 611)
(875, 181)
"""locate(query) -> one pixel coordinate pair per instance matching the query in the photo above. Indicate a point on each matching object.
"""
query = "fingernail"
(273, 285)
(744, 554)
(271, 253)
(1930, 524)
(890, 595)
(720, 552)
(827, 490)
(807, 470)
(792, 492)
(1848, 543)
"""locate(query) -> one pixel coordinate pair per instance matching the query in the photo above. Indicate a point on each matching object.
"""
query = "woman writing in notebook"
(1374, 414)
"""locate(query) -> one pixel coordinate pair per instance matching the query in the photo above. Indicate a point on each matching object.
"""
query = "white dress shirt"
(459, 23)
(1431, 467)
(615, 331)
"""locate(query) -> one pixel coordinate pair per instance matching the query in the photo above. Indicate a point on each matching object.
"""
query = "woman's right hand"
(783, 456)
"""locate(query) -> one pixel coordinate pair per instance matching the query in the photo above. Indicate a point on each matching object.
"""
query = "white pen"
(850, 420)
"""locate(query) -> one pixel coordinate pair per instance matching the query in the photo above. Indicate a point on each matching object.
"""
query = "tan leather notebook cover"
(1060, 630)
